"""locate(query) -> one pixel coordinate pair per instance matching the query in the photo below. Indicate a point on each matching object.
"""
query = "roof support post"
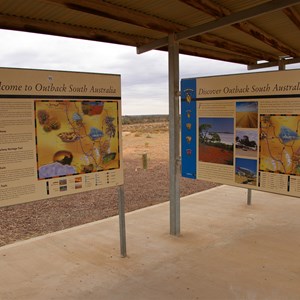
(281, 64)
(174, 163)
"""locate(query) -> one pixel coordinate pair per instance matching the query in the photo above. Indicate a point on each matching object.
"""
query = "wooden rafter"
(108, 10)
(116, 12)
(208, 53)
(293, 15)
(222, 43)
(58, 29)
(218, 11)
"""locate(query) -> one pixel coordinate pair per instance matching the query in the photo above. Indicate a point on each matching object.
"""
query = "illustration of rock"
(109, 157)
(95, 133)
(77, 119)
(53, 123)
(92, 108)
(110, 127)
(49, 123)
(69, 137)
(43, 116)
(61, 166)
(63, 156)
(87, 168)
(104, 148)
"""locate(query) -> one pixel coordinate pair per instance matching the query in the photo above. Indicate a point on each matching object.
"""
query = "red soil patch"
(215, 155)
(142, 188)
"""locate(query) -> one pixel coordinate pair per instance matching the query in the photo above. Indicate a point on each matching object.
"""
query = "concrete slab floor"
(227, 250)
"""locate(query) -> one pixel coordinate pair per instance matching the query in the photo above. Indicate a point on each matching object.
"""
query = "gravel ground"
(142, 188)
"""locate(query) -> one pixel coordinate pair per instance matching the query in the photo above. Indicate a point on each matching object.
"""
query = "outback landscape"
(142, 135)
(246, 152)
(246, 119)
(240, 179)
(213, 154)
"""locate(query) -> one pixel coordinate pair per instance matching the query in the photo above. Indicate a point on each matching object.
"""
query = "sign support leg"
(121, 204)
(249, 193)
(174, 164)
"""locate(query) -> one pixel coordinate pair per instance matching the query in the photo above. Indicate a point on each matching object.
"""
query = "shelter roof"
(241, 31)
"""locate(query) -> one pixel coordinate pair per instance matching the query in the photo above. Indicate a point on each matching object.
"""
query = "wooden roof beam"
(283, 61)
(232, 19)
(58, 29)
(119, 13)
(218, 11)
(293, 15)
(108, 10)
(218, 55)
(219, 42)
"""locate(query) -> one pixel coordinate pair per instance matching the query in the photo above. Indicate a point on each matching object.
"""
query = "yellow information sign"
(60, 133)
(243, 130)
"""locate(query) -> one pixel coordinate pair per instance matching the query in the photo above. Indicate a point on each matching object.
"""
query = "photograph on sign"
(216, 140)
(247, 114)
(246, 143)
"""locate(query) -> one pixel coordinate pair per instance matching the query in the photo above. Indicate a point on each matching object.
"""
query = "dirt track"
(246, 119)
(142, 188)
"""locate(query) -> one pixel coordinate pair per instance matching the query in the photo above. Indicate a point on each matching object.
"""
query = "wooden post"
(145, 161)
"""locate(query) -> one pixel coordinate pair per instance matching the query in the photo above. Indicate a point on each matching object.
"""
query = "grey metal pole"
(121, 204)
(249, 197)
(174, 163)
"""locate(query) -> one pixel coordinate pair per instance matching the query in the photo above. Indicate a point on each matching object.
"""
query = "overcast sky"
(144, 77)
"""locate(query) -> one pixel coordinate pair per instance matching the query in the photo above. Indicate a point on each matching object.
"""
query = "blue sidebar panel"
(188, 128)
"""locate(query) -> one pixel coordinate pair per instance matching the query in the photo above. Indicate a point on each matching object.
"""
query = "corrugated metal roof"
(138, 22)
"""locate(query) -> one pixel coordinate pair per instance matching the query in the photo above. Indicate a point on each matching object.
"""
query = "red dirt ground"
(142, 188)
(215, 155)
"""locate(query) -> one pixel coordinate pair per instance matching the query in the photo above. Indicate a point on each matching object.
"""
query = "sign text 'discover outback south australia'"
(243, 130)
(60, 133)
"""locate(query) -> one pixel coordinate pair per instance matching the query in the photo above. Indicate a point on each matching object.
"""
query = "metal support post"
(249, 197)
(174, 163)
(281, 64)
(121, 204)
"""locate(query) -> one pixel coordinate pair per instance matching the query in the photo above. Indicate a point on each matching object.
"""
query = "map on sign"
(75, 137)
(280, 144)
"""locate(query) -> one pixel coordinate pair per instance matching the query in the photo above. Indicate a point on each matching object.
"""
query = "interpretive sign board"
(243, 130)
(60, 133)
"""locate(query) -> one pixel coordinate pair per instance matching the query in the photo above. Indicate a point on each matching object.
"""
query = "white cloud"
(144, 77)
